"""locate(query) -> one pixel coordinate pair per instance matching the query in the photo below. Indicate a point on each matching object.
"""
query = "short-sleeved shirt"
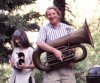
(48, 33)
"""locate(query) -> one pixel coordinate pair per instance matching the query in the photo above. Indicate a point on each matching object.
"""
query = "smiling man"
(53, 30)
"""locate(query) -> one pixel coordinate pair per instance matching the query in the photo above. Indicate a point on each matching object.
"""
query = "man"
(53, 30)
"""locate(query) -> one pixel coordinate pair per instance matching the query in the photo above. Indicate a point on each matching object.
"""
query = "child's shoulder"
(30, 48)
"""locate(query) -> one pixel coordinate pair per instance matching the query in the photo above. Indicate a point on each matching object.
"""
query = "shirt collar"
(56, 27)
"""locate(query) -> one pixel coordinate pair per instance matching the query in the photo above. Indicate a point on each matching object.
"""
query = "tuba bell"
(66, 43)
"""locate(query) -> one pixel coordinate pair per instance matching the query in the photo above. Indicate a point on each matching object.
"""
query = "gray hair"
(55, 8)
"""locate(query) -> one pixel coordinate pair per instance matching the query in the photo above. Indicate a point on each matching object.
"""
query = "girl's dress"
(24, 75)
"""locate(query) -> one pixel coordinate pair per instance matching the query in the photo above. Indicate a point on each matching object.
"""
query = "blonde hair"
(55, 8)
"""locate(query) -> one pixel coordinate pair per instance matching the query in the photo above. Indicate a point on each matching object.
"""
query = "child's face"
(17, 40)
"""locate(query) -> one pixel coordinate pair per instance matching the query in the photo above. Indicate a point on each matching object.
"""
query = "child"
(22, 47)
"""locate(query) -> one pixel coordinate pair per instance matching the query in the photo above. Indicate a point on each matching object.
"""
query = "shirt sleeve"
(69, 29)
(42, 34)
(31, 50)
(14, 57)
(13, 53)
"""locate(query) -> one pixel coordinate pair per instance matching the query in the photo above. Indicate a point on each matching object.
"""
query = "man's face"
(52, 16)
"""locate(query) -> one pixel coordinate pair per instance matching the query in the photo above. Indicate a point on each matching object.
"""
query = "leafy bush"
(4, 73)
(38, 76)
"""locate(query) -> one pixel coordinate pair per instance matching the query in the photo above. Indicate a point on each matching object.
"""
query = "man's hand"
(58, 54)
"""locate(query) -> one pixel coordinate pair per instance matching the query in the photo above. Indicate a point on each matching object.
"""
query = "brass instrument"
(65, 43)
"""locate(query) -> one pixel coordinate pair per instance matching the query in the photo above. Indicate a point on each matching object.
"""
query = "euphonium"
(73, 40)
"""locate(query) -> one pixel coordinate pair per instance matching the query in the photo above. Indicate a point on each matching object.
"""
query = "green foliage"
(81, 68)
(38, 76)
(5, 71)
(10, 5)
(8, 24)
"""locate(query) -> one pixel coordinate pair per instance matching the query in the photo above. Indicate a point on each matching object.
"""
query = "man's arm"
(48, 48)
